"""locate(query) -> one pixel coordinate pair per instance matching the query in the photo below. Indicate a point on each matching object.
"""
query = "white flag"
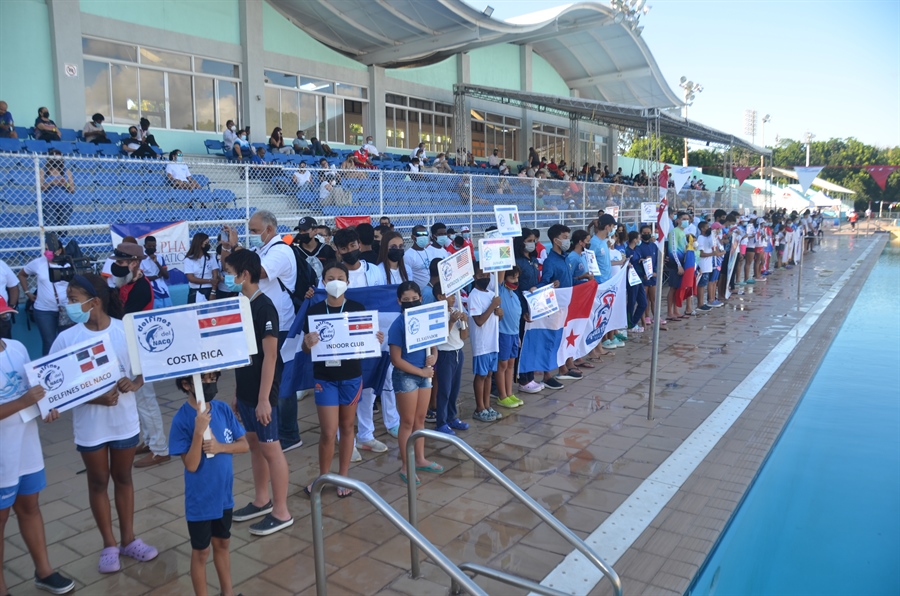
(807, 176)
(680, 176)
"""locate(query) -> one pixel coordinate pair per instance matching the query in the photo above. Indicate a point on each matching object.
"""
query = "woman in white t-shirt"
(106, 428)
(22, 463)
(50, 296)
(201, 270)
(391, 266)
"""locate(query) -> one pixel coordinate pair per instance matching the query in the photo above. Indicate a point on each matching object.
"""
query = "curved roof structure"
(601, 59)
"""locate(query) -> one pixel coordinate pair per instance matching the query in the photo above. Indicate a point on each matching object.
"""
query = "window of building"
(551, 142)
(594, 147)
(126, 82)
(425, 121)
(493, 131)
(319, 108)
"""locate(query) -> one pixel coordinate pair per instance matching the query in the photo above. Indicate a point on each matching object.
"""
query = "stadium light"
(488, 11)
(690, 89)
(629, 12)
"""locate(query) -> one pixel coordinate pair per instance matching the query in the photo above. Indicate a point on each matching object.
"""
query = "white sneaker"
(356, 456)
(530, 387)
(373, 445)
(609, 344)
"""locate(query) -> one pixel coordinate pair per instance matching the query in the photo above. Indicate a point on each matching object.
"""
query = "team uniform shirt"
(418, 261)
(178, 171)
(201, 268)
(485, 338)
(249, 378)
(208, 490)
(395, 277)
(349, 369)
(615, 255)
(279, 263)
(579, 266)
(21, 445)
(397, 337)
(151, 269)
(556, 268)
(601, 251)
(705, 244)
(751, 235)
(512, 311)
(93, 424)
(454, 341)
(646, 250)
(46, 299)
(8, 279)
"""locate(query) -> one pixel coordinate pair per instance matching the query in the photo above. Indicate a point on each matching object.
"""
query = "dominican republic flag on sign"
(217, 319)
(92, 357)
(298, 370)
(586, 312)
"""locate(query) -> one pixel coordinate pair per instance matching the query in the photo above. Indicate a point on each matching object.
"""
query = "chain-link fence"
(79, 198)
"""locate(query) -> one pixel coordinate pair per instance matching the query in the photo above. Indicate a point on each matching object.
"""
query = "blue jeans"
(47, 322)
(288, 429)
(448, 371)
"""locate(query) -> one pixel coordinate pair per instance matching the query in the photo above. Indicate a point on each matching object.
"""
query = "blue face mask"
(229, 283)
(467, 235)
(76, 314)
(256, 241)
(443, 240)
(422, 241)
(685, 223)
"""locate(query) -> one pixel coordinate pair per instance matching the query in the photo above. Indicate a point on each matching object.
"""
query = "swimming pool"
(823, 516)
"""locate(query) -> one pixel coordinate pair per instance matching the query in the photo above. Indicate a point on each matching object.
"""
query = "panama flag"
(586, 312)
(298, 370)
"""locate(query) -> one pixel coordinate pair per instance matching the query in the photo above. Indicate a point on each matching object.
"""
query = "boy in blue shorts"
(208, 481)
(511, 307)
(484, 308)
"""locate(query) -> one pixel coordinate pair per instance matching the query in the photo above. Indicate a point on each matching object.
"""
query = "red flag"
(349, 221)
(742, 174)
(664, 177)
(663, 222)
(880, 174)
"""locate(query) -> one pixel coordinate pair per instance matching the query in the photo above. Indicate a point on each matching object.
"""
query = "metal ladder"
(518, 493)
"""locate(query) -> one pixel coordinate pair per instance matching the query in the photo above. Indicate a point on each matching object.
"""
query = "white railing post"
(380, 193)
(247, 204)
(40, 201)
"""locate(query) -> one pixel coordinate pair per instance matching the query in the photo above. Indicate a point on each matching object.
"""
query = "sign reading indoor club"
(345, 336)
(195, 338)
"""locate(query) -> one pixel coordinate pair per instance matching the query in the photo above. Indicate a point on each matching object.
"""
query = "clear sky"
(829, 67)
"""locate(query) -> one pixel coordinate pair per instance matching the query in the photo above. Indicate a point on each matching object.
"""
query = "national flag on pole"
(880, 174)
(92, 357)
(586, 312)
(218, 319)
(298, 370)
(688, 285)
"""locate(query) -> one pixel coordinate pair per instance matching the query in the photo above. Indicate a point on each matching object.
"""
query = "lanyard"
(328, 308)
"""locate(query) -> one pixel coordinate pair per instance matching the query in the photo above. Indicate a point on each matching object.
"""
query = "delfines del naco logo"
(155, 334)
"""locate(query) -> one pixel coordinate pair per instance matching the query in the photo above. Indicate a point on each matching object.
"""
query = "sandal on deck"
(109, 560)
(140, 551)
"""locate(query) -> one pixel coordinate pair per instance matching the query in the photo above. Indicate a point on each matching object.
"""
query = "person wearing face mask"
(44, 128)
(241, 149)
(606, 223)
(439, 242)
(178, 174)
(107, 428)
(50, 298)
(229, 136)
(201, 270)
(462, 241)
(411, 377)
(134, 147)
(208, 481)
(718, 258)
(529, 276)
(391, 262)
(707, 250)
(637, 297)
(156, 272)
(144, 133)
(300, 144)
(310, 244)
(577, 259)
(485, 312)
(675, 262)
(338, 383)
(508, 343)
(257, 403)
(418, 257)
(93, 130)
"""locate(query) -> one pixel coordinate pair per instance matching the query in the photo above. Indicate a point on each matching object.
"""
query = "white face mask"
(336, 288)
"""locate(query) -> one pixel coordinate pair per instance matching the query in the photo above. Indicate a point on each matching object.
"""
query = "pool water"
(823, 516)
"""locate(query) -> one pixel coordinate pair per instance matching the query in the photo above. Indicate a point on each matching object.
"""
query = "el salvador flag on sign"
(297, 374)
(586, 312)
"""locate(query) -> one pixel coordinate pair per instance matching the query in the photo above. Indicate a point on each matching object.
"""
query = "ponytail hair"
(109, 297)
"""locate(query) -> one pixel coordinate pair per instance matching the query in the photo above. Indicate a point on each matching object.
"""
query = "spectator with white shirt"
(52, 271)
(417, 257)
(302, 177)
(9, 291)
(230, 136)
(201, 270)
(178, 174)
(371, 148)
(494, 159)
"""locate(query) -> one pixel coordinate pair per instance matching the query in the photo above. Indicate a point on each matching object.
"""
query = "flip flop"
(587, 365)
(432, 467)
(109, 560)
(343, 493)
(405, 481)
(138, 550)
(307, 491)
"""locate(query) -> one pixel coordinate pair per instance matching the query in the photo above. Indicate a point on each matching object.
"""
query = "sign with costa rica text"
(195, 338)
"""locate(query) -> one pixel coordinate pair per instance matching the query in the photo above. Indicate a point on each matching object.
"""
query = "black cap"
(306, 223)
(606, 220)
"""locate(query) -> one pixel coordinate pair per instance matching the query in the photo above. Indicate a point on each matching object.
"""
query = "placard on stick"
(456, 271)
(496, 254)
(649, 212)
(507, 217)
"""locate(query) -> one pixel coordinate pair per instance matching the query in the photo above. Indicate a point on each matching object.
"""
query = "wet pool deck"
(580, 452)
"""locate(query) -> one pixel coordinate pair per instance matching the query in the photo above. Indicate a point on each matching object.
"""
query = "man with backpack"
(287, 280)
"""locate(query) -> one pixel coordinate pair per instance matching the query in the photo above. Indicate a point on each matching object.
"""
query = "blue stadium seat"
(108, 149)
(20, 220)
(108, 197)
(202, 196)
(82, 197)
(131, 180)
(68, 134)
(83, 179)
(22, 177)
(20, 196)
(23, 132)
(11, 145)
(156, 180)
(158, 196)
(106, 178)
(116, 137)
(86, 148)
(223, 195)
(201, 180)
(180, 196)
(129, 216)
(33, 146)
(97, 216)
(214, 147)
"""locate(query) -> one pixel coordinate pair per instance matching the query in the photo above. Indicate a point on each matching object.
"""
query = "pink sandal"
(109, 560)
(140, 551)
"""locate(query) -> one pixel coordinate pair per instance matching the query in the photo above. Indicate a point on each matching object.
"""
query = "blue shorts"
(674, 278)
(407, 383)
(485, 364)
(162, 302)
(703, 281)
(338, 393)
(120, 444)
(27, 485)
(714, 276)
(265, 434)
(509, 346)
(650, 283)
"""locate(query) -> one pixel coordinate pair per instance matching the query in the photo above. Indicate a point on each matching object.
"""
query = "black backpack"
(306, 278)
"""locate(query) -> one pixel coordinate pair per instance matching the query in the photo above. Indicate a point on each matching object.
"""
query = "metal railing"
(519, 494)
(458, 577)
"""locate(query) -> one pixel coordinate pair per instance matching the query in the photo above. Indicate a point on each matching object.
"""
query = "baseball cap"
(4, 307)
(464, 229)
(606, 220)
(126, 250)
(716, 225)
(306, 223)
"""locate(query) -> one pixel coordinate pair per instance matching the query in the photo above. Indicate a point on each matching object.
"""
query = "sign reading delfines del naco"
(195, 338)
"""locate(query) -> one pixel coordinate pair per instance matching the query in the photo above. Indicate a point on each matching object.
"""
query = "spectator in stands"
(326, 186)
(157, 272)
(50, 298)
(134, 147)
(301, 145)
(419, 152)
(494, 159)
(93, 131)
(7, 124)
(56, 186)
(178, 174)
(241, 148)
(44, 128)
(441, 164)
(533, 160)
(503, 169)
(371, 148)
(302, 177)
(618, 177)
(319, 148)
(144, 133)
(260, 171)
(413, 166)
(361, 159)
(230, 136)
(276, 143)
(384, 220)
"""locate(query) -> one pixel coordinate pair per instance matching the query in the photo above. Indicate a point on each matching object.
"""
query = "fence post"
(247, 203)
(534, 187)
(40, 202)
(380, 193)
(471, 202)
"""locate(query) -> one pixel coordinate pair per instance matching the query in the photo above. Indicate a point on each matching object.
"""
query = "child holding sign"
(208, 481)
(511, 309)
(412, 382)
(449, 366)
(484, 308)
(106, 428)
(22, 464)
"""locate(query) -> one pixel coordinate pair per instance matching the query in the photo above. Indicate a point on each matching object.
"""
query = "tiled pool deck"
(580, 452)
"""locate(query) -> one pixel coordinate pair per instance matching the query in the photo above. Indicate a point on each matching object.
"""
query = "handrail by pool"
(458, 577)
(507, 578)
(511, 487)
